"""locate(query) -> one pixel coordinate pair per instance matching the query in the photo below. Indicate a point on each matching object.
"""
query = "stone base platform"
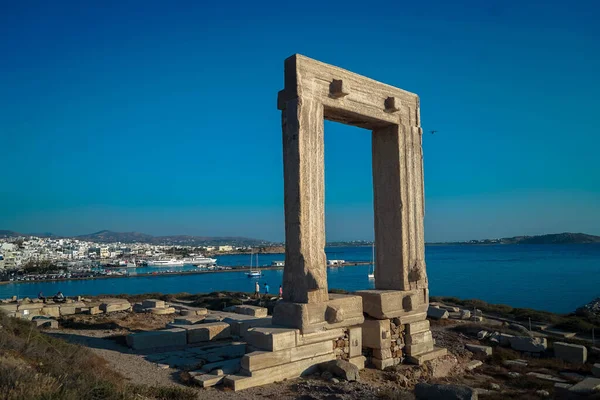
(339, 311)
(437, 352)
(385, 304)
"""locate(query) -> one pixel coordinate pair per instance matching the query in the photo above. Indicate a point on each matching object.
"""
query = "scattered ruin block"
(420, 359)
(157, 339)
(474, 364)
(51, 311)
(254, 311)
(586, 387)
(114, 305)
(208, 380)
(478, 349)
(596, 370)
(546, 377)
(437, 313)
(376, 333)
(271, 339)
(573, 353)
(528, 344)
(359, 361)
(45, 322)
(278, 373)
(206, 332)
(153, 303)
(94, 310)
(190, 320)
(67, 309)
(161, 311)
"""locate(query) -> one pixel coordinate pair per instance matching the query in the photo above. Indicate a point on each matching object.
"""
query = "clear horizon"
(160, 119)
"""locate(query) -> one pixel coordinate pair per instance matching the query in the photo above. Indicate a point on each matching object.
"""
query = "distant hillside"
(183, 240)
(553, 238)
(8, 234)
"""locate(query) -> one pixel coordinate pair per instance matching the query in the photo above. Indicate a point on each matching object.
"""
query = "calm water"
(556, 278)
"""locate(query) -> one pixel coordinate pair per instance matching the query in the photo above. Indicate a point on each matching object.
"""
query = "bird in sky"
(432, 132)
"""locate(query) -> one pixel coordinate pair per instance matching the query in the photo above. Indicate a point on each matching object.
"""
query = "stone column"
(305, 272)
(390, 200)
(398, 208)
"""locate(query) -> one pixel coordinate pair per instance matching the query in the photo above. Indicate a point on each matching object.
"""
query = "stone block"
(339, 311)
(239, 327)
(67, 309)
(437, 313)
(341, 369)
(418, 338)
(153, 303)
(52, 311)
(420, 359)
(190, 320)
(254, 311)
(42, 322)
(376, 333)
(208, 380)
(465, 314)
(271, 338)
(355, 338)
(8, 307)
(596, 370)
(359, 361)
(586, 387)
(528, 344)
(206, 332)
(573, 353)
(383, 364)
(30, 306)
(478, 349)
(278, 373)
(161, 311)
(94, 310)
(265, 359)
(115, 305)
(315, 337)
(382, 354)
(415, 349)
(474, 364)
(417, 327)
(385, 304)
(157, 339)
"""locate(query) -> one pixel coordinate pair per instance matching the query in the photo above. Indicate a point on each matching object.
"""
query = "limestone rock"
(528, 344)
(475, 348)
(596, 370)
(437, 313)
(341, 369)
(573, 353)
(519, 328)
(465, 314)
(586, 386)
(474, 364)
(426, 391)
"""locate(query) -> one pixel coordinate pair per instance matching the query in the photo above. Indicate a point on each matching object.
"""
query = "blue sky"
(160, 117)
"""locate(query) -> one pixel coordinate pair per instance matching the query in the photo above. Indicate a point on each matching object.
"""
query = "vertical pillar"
(391, 211)
(305, 271)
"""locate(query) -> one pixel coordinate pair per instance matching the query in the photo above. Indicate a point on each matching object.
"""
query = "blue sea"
(557, 278)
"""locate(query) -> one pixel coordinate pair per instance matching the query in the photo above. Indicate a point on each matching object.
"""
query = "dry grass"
(36, 366)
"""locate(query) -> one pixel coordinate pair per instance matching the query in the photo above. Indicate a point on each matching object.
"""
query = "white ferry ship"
(166, 263)
(200, 261)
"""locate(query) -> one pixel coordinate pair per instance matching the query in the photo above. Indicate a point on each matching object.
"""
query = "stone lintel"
(340, 311)
(384, 304)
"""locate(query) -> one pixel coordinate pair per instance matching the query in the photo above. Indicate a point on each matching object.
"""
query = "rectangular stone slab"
(265, 359)
(254, 311)
(420, 359)
(271, 338)
(153, 303)
(276, 374)
(573, 353)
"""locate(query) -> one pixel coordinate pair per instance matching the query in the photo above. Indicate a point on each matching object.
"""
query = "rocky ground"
(493, 378)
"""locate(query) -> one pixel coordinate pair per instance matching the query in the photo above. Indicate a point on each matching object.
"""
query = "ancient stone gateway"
(313, 92)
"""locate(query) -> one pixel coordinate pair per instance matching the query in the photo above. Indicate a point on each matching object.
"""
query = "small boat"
(253, 273)
(372, 273)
